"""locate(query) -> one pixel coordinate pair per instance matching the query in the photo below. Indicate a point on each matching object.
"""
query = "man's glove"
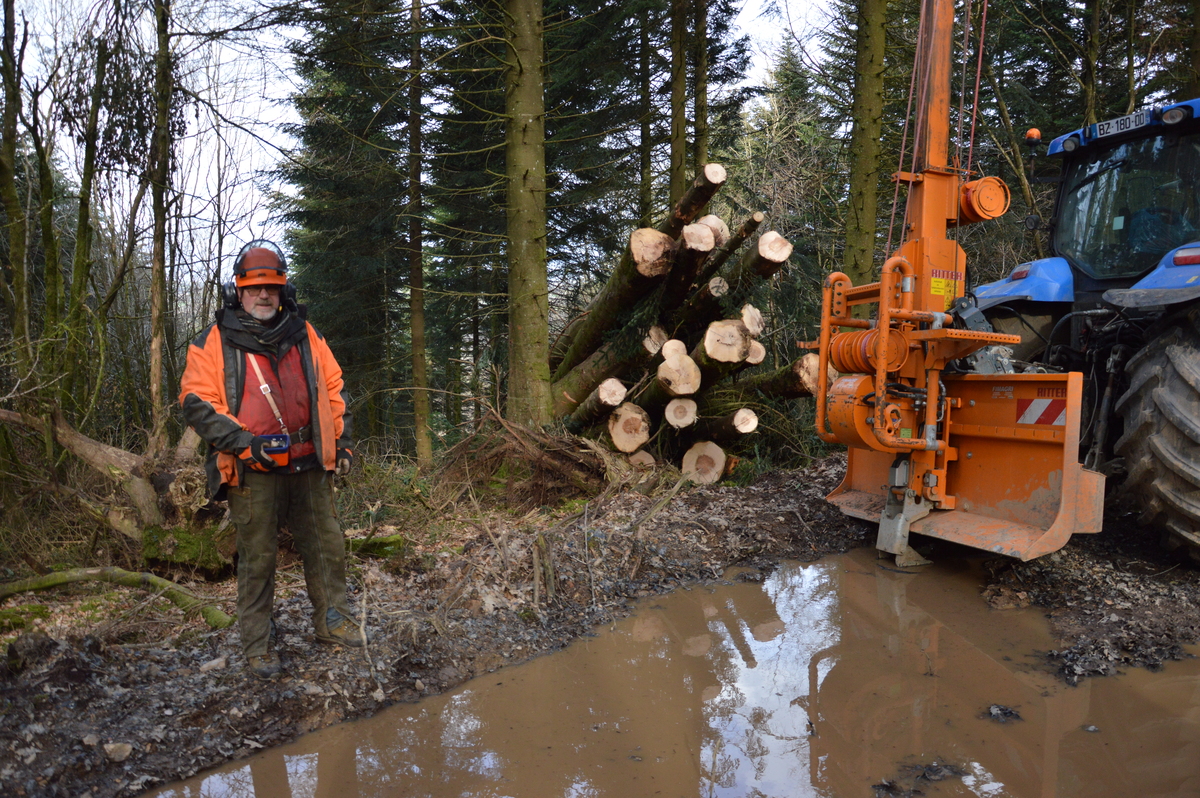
(345, 459)
(253, 456)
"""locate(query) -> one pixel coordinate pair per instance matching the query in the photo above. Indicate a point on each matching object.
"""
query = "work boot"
(345, 632)
(266, 666)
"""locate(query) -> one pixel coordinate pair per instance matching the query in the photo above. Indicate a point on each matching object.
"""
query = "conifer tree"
(349, 170)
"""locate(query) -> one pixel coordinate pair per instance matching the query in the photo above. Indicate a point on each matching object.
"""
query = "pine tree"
(349, 170)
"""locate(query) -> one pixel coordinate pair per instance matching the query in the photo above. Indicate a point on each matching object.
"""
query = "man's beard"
(263, 312)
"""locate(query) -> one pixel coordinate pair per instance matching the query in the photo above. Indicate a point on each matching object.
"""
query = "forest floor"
(114, 692)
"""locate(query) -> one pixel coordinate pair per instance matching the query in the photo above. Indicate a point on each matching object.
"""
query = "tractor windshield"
(1125, 206)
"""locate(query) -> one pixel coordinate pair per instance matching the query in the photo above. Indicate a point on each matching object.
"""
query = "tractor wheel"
(1161, 439)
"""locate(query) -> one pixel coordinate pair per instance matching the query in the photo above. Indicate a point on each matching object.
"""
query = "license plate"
(1122, 124)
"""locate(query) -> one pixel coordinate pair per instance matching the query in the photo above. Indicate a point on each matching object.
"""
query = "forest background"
(453, 181)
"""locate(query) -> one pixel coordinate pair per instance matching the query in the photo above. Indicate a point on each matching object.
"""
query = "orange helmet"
(260, 263)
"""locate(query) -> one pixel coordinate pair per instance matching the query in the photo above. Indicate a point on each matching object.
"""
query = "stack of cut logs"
(664, 303)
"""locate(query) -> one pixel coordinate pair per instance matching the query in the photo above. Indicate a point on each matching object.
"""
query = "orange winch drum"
(983, 199)
(854, 352)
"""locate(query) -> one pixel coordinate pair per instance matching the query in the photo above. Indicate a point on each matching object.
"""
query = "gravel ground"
(115, 693)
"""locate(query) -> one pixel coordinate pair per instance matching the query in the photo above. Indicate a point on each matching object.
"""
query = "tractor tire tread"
(1161, 438)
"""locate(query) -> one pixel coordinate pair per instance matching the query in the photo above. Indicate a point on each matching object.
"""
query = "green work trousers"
(303, 503)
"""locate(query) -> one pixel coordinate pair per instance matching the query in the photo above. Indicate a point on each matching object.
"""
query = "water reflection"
(821, 681)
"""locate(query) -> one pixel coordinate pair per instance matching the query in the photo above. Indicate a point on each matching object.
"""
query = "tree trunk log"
(124, 467)
(701, 308)
(710, 178)
(181, 598)
(759, 262)
(627, 284)
(704, 463)
(677, 376)
(642, 458)
(729, 427)
(618, 356)
(608, 395)
(647, 260)
(726, 343)
(629, 427)
(799, 378)
(681, 412)
(752, 317)
(695, 243)
(723, 251)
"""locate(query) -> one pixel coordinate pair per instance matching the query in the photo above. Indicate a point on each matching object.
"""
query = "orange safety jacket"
(215, 381)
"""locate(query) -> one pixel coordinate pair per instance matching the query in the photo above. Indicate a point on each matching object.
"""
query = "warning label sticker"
(945, 288)
(1042, 411)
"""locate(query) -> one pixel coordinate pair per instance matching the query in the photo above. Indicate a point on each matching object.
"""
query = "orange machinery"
(987, 460)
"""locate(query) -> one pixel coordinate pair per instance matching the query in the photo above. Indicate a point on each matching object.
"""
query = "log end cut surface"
(674, 348)
(745, 421)
(611, 392)
(720, 230)
(698, 238)
(629, 427)
(642, 458)
(680, 375)
(752, 317)
(774, 247)
(681, 413)
(714, 174)
(651, 251)
(727, 341)
(808, 370)
(757, 354)
(704, 463)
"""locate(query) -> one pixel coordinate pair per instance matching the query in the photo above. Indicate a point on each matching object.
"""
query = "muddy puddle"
(839, 678)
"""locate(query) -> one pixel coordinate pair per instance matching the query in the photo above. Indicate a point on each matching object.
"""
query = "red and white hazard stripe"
(1042, 411)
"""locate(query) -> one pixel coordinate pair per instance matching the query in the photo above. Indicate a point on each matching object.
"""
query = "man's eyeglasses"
(255, 290)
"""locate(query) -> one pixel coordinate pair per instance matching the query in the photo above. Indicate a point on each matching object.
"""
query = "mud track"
(85, 712)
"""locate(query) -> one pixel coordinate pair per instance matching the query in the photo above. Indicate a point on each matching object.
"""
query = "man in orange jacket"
(262, 388)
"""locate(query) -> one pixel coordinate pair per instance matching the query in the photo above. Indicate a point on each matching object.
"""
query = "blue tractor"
(1119, 301)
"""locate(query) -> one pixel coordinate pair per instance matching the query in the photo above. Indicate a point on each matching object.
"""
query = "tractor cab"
(1128, 198)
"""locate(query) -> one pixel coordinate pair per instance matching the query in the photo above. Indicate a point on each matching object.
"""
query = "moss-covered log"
(384, 547)
(608, 395)
(621, 355)
(180, 597)
(209, 548)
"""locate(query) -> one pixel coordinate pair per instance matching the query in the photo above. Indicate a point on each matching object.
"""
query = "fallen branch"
(180, 597)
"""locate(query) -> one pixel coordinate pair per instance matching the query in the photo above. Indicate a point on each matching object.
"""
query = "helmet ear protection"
(287, 297)
(260, 262)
